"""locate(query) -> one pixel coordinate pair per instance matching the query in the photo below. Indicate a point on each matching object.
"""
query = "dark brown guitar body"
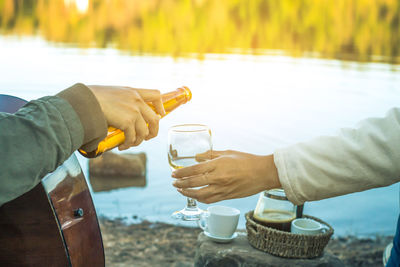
(54, 224)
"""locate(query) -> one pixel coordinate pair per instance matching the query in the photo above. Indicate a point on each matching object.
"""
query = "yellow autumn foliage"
(365, 30)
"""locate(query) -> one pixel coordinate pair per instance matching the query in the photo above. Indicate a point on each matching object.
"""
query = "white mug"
(219, 221)
(307, 227)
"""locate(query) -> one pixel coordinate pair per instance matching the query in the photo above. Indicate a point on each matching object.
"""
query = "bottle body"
(115, 137)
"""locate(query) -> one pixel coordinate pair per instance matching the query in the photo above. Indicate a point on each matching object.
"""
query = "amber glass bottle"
(115, 137)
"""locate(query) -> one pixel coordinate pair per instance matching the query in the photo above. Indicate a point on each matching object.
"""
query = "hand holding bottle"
(131, 114)
(229, 174)
(125, 108)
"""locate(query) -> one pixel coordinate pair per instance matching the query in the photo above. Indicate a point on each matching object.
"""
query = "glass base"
(188, 214)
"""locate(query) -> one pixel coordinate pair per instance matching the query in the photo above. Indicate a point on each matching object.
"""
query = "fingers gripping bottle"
(115, 137)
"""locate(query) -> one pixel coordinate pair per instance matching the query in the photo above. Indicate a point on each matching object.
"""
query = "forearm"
(41, 136)
(355, 160)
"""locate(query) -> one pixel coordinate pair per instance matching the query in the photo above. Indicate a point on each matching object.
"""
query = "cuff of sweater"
(284, 178)
(90, 114)
(75, 130)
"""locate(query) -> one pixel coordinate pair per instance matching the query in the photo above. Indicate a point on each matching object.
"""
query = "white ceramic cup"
(307, 227)
(220, 221)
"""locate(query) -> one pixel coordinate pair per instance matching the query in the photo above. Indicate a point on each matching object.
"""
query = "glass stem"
(191, 203)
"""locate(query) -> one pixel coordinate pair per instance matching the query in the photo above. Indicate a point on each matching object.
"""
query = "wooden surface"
(82, 234)
(29, 232)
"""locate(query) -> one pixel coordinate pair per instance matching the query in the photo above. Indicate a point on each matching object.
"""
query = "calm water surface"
(252, 103)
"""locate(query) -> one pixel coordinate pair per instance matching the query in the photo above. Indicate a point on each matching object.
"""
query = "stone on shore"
(112, 171)
(240, 253)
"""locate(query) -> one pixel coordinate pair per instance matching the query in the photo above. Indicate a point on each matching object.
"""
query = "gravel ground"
(159, 244)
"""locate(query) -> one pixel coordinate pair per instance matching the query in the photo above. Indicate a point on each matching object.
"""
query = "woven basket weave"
(286, 244)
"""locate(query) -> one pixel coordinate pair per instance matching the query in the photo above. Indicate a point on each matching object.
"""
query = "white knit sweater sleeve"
(358, 159)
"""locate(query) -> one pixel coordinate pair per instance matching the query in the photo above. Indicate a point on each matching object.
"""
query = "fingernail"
(179, 190)
(174, 183)
(173, 174)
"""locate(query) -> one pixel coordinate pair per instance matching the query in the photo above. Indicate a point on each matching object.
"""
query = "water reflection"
(356, 29)
(252, 103)
(112, 171)
(108, 183)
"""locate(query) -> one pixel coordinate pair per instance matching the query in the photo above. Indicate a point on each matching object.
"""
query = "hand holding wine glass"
(184, 143)
(226, 175)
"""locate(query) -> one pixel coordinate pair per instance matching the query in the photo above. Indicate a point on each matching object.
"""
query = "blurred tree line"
(365, 30)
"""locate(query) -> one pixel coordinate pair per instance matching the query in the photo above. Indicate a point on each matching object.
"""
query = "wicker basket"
(286, 244)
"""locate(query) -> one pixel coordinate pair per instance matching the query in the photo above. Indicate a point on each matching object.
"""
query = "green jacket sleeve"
(43, 134)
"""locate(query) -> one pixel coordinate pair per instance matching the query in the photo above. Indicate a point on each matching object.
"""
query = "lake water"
(252, 103)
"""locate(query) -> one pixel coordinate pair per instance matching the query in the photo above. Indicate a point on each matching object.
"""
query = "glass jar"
(275, 210)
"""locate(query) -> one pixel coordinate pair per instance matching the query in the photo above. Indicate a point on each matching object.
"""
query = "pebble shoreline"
(160, 244)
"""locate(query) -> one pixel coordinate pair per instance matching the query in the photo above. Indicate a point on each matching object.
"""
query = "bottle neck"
(180, 95)
(174, 99)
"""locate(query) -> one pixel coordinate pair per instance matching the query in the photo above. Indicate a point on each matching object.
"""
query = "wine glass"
(184, 143)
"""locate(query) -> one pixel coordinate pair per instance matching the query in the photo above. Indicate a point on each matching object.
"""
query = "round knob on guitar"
(78, 212)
